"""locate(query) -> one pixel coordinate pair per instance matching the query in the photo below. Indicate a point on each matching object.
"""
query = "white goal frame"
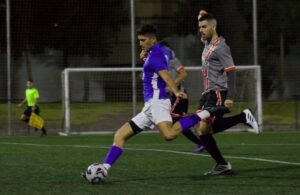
(66, 92)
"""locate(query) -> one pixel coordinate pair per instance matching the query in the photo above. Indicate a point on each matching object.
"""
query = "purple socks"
(113, 154)
(189, 121)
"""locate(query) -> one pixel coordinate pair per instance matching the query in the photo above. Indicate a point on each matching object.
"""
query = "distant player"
(31, 99)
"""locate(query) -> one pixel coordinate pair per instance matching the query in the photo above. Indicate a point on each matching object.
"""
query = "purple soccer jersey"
(157, 60)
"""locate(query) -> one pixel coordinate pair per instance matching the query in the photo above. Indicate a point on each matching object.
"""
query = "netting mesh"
(48, 36)
(101, 100)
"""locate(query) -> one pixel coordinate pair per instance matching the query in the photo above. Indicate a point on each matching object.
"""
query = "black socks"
(212, 148)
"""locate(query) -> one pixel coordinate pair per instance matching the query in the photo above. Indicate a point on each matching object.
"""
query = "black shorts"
(213, 99)
(28, 111)
(179, 107)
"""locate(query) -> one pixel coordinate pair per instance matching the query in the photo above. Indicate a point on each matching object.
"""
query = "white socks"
(107, 166)
(204, 114)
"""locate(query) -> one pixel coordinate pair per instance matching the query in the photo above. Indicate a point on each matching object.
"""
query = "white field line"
(165, 151)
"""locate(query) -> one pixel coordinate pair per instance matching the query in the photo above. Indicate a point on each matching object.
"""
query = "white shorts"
(153, 112)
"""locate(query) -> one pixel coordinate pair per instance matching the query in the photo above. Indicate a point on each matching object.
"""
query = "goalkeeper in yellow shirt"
(31, 97)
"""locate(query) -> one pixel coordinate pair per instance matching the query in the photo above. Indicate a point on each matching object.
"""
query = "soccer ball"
(96, 173)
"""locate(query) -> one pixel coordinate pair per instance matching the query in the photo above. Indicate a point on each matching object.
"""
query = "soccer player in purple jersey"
(178, 74)
(156, 110)
(179, 107)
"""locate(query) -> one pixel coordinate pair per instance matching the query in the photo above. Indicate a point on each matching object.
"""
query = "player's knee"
(123, 134)
(169, 136)
(203, 129)
(120, 136)
(207, 130)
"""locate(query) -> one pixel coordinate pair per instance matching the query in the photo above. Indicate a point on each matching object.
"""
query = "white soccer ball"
(96, 173)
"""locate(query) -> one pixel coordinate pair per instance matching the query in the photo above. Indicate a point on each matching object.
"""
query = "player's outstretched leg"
(222, 124)
(246, 117)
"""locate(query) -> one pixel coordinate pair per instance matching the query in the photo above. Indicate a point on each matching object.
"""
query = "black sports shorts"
(28, 111)
(212, 99)
(179, 107)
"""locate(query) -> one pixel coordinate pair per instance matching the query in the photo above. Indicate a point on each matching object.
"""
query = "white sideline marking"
(158, 150)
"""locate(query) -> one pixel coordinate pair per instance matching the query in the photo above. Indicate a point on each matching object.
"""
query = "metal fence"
(38, 39)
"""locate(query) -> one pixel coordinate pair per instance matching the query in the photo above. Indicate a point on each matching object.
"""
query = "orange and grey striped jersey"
(217, 62)
(175, 66)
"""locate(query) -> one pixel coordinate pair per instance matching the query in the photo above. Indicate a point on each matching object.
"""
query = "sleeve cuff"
(180, 68)
(229, 69)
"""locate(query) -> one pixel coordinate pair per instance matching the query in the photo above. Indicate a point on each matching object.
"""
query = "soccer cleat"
(199, 149)
(251, 121)
(220, 169)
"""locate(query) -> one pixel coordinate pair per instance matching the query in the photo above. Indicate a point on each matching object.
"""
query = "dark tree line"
(90, 27)
(73, 26)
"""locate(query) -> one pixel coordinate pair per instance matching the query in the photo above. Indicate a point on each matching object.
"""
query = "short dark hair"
(30, 80)
(147, 29)
(165, 43)
(208, 17)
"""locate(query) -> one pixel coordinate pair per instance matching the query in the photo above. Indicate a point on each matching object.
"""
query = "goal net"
(100, 100)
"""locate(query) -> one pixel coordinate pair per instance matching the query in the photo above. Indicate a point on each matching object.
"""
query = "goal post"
(66, 91)
(99, 100)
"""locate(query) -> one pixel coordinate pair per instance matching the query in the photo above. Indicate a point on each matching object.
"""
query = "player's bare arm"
(171, 84)
(182, 74)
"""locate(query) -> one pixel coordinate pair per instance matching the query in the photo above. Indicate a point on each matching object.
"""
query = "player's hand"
(143, 55)
(228, 103)
(33, 108)
(201, 13)
(181, 95)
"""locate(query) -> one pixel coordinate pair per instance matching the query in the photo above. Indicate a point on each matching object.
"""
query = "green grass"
(85, 114)
(54, 111)
(280, 112)
(51, 165)
(90, 112)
